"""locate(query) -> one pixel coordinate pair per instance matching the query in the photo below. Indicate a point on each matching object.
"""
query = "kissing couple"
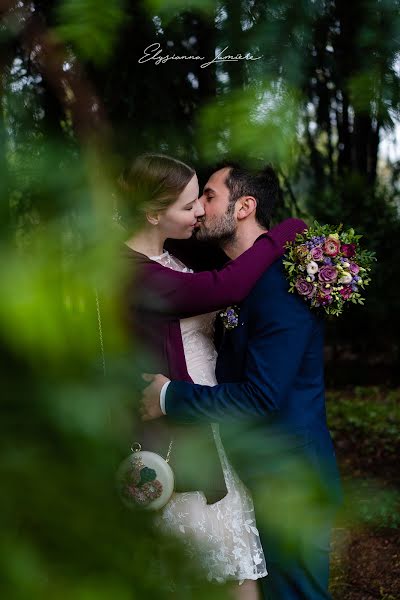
(239, 363)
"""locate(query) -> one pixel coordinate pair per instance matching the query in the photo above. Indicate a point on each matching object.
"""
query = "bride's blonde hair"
(152, 183)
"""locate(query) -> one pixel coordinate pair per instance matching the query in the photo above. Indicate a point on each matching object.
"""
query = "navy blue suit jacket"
(270, 397)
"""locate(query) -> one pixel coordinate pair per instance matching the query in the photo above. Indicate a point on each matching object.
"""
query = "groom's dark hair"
(263, 184)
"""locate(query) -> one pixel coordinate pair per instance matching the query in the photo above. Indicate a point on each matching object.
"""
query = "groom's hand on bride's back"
(150, 407)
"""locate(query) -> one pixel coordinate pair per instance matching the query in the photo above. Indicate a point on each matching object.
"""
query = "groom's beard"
(219, 230)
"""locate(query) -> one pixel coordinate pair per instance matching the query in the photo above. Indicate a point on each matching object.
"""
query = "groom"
(269, 400)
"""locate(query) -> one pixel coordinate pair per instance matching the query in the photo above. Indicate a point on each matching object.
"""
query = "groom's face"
(219, 221)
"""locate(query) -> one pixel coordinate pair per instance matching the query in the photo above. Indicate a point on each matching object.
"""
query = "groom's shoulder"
(274, 277)
(271, 285)
(272, 293)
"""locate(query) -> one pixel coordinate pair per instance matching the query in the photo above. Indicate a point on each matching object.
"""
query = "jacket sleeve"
(275, 350)
(187, 294)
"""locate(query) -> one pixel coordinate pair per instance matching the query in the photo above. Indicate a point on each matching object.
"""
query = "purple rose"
(327, 274)
(317, 253)
(324, 291)
(354, 268)
(305, 288)
(348, 250)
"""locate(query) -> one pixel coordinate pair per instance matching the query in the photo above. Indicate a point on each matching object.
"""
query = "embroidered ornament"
(145, 480)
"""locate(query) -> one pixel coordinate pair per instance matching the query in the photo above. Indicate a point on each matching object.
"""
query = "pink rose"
(331, 246)
(152, 489)
(346, 292)
(348, 250)
(327, 274)
(317, 253)
(354, 269)
(139, 496)
(305, 288)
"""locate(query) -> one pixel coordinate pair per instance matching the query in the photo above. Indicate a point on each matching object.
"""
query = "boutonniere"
(230, 317)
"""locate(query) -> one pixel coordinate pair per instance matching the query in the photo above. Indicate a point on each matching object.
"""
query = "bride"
(171, 312)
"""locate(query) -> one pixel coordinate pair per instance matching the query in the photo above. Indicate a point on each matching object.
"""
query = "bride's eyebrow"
(189, 203)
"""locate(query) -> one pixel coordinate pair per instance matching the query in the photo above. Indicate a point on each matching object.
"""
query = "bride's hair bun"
(152, 183)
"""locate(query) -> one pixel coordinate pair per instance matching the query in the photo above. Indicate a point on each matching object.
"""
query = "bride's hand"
(150, 403)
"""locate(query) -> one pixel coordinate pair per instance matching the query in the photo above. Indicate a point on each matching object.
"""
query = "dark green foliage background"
(316, 104)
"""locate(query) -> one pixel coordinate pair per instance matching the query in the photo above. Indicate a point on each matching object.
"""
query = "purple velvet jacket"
(157, 298)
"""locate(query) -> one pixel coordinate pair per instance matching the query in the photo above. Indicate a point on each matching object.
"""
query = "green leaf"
(91, 26)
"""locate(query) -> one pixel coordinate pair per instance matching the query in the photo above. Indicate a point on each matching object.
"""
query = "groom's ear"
(246, 206)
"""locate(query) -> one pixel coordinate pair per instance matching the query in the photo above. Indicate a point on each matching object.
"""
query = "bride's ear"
(152, 218)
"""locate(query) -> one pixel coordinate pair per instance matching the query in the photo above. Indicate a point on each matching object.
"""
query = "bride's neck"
(147, 241)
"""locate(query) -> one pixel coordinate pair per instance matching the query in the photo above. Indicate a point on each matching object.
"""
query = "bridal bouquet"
(327, 267)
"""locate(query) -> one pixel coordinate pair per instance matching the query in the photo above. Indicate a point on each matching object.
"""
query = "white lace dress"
(222, 536)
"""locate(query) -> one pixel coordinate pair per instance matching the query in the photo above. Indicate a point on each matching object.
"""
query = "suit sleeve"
(187, 294)
(276, 347)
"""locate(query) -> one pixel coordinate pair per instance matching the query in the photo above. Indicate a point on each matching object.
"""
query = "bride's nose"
(199, 209)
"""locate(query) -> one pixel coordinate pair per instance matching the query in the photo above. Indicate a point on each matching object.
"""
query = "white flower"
(346, 278)
(312, 268)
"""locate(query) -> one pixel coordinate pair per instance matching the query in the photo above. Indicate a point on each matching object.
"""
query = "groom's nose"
(199, 209)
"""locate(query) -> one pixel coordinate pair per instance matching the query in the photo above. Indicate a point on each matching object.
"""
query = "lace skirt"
(222, 537)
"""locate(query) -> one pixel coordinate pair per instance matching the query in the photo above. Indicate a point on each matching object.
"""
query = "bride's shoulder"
(169, 260)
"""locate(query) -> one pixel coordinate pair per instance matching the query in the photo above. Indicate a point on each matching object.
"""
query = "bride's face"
(180, 219)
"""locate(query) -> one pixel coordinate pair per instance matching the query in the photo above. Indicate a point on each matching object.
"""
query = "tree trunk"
(5, 209)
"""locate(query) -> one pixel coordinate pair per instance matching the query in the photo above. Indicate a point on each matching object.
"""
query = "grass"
(365, 425)
(368, 417)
